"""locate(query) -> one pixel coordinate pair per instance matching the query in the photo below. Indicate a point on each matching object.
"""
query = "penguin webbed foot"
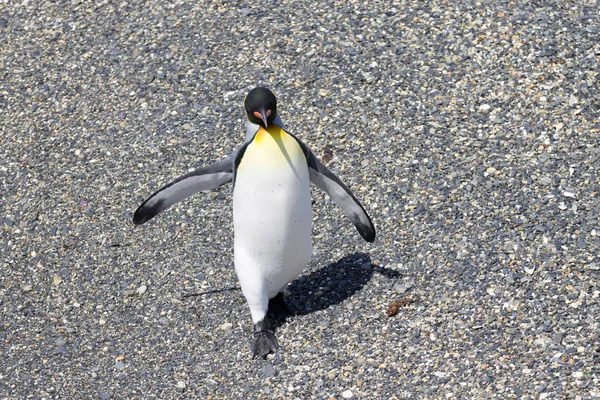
(264, 339)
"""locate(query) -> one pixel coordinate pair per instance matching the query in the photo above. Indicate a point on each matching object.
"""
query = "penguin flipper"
(324, 179)
(203, 178)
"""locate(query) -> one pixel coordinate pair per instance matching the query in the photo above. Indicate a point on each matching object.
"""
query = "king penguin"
(272, 211)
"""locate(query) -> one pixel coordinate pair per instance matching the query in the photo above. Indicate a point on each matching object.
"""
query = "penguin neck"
(272, 131)
(252, 129)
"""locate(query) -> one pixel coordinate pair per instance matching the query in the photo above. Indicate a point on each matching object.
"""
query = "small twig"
(185, 296)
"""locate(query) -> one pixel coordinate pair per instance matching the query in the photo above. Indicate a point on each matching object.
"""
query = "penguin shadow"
(332, 284)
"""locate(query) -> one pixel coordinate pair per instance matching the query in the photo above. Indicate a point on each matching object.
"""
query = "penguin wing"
(203, 178)
(324, 179)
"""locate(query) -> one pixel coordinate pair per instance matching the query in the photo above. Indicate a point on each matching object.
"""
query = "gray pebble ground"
(469, 129)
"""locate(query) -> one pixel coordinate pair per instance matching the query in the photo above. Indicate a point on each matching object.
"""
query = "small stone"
(245, 11)
(510, 278)
(581, 243)
(403, 288)
(226, 326)
(366, 265)
(27, 288)
(569, 193)
(160, 74)
(557, 338)
(347, 394)
(181, 386)
(529, 270)
(141, 290)
(105, 396)
(268, 370)
(57, 279)
(545, 181)
(119, 365)
(60, 342)
(323, 92)
(484, 107)
(573, 100)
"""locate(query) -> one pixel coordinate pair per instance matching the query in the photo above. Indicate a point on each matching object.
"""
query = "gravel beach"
(469, 130)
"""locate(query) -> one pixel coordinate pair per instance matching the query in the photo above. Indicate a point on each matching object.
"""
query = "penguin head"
(261, 106)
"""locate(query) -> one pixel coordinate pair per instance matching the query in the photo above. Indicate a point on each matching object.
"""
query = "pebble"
(573, 100)
(529, 270)
(141, 290)
(557, 338)
(226, 326)
(181, 386)
(402, 288)
(347, 394)
(268, 370)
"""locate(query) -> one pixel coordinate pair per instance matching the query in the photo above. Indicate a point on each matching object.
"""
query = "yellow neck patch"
(274, 147)
(272, 132)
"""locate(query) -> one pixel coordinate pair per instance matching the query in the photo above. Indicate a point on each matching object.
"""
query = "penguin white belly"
(272, 217)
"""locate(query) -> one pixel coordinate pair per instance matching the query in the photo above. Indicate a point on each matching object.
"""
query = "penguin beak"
(263, 115)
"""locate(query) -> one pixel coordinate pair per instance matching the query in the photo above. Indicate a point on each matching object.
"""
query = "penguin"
(272, 210)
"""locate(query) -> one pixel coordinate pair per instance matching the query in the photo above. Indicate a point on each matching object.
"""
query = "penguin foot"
(264, 344)
(264, 339)
(278, 308)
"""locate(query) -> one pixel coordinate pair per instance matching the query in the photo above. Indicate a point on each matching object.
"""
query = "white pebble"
(226, 326)
(141, 290)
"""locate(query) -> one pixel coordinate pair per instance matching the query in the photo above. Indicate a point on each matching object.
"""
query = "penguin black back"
(261, 106)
